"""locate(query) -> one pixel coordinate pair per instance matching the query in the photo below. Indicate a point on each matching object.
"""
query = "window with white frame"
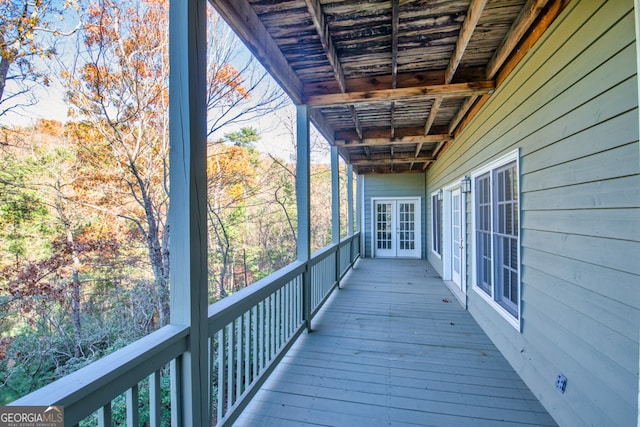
(436, 223)
(496, 234)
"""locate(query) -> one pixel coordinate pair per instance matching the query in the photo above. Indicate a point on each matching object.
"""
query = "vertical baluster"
(221, 375)
(230, 364)
(278, 302)
(155, 399)
(254, 334)
(104, 416)
(287, 310)
(261, 342)
(299, 301)
(247, 350)
(133, 417)
(239, 355)
(314, 280)
(176, 381)
(272, 329)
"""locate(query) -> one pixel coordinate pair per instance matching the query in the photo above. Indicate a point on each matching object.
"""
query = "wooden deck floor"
(388, 350)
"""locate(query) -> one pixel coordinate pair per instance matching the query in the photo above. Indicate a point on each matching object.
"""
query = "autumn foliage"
(84, 237)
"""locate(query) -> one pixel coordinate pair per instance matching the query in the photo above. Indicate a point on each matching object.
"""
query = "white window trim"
(507, 158)
(436, 254)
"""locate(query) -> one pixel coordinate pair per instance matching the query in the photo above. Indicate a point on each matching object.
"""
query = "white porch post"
(187, 215)
(335, 210)
(350, 200)
(636, 4)
(335, 195)
(303, 189)
(359, 210)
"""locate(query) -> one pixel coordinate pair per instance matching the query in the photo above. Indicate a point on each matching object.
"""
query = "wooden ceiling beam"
(247, 25)
(317, 16)
(385, 133)
(315, 11)
(520, 26)
(554, 7)
(468, 27)
(507, 55)
(422, 78)
(356, 120)
(455, 90)
(368, 142)
(432, 115)
(395, 21)
(398, 160)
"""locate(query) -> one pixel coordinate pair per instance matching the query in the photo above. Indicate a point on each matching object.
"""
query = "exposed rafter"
(395, 21)
(520, 26)
(456, 90)
(468, 27)
(525, 19)
(315, 10)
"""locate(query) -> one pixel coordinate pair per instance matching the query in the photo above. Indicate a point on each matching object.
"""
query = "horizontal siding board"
(571, 108)
(602, 194)
(602, 309)
(583, 369)
(593, 278)
(623, 224)
(619, 162)
(602, 136)
(616, 254)
(608, 353)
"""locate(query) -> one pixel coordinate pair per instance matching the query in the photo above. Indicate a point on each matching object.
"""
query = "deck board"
(394, 347)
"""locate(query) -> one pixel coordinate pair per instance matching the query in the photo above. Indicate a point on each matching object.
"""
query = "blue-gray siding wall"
(392, 185)
(571, 109)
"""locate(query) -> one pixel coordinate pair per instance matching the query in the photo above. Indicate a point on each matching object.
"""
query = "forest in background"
(84, 237)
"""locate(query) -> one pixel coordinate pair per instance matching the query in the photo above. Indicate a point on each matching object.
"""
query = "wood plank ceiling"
(391, 83)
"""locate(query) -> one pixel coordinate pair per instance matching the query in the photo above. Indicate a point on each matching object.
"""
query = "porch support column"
(187, 215)
(303, 190)
(359, 207)
(335, 195)
(636, 5)
(350, 224)
(335, 211)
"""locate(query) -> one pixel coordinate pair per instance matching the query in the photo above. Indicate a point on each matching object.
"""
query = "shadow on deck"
(394, 347)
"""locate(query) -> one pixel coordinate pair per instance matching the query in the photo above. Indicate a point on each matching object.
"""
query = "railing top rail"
(95, 385)
(228, 309)
(320, 254)
(347, 239)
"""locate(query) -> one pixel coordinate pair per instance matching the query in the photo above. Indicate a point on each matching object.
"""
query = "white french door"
(456, 238)
(397, 228)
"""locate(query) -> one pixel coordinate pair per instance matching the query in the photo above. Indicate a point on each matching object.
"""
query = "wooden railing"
(249, 333)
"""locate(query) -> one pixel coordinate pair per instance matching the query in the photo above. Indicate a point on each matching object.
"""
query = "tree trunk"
(75, 295)
(75, 274)
(158, 252)
(5, 63)
(160, 271)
